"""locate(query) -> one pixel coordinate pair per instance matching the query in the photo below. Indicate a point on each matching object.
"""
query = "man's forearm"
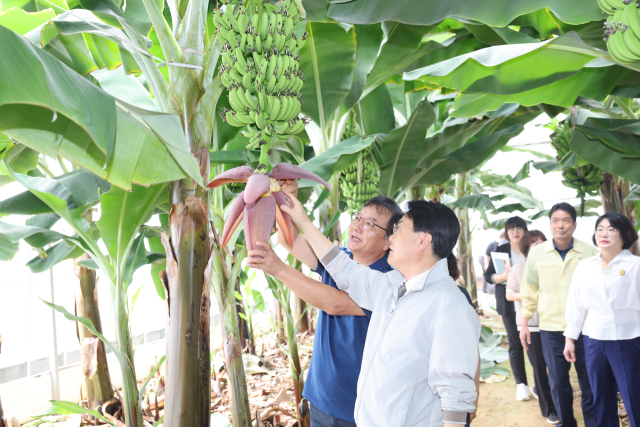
(319, 295)
(318, 242)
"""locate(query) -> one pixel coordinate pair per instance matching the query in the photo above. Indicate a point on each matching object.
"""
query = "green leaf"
(523, 173)
(54, 194)
(486, 368)
(146, 383)
(493, 36)
(547, 167)
(488, 338)
(326, 164)
(123, 213)
(328, 60)
(136, 259)
(493, 354)
(375, 112)
(34, 5)
(400, 147)
(333, 221)
(89, 325)
(156, 245)
(74, 408)
(22, 22)
(470, 156)
(34, 236)
(368, 39)
(125, 88)
(21, 159)
(403, 45)
(232, 157)
(31, 76)
(83, 190)
(473, 201)
(7, 249)
(499, 14)
(601, 147)
(634, 195)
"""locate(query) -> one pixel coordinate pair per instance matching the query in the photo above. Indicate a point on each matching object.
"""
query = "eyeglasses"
(367, 223)
(396, 227)
(610, 230)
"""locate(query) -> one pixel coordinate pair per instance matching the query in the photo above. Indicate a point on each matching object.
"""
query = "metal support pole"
(55, 372)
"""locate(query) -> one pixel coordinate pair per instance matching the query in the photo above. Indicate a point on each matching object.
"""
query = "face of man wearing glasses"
(367, 232)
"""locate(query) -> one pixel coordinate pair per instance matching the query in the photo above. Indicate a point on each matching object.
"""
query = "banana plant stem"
(623, 107)
(264, 154)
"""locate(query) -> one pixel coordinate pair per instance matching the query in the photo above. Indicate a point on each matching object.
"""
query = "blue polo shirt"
(332, 381)
(563, 252)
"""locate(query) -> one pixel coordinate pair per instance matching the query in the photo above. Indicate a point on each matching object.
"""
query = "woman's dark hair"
(623, 225)
(514, 222)
(564, 207)
(530, 237)
(443, 225)
(385, 205)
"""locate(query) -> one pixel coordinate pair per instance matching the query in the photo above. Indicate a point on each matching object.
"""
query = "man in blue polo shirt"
(341, 331)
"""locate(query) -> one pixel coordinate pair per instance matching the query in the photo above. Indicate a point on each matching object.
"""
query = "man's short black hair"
(623, 225)
(385, 205)
(564, 207)
(439, 221)
(514, 222)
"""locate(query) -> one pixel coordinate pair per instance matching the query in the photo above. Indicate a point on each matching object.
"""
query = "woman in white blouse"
(606, 291)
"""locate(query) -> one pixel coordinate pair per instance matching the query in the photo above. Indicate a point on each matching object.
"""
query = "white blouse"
(609, 299)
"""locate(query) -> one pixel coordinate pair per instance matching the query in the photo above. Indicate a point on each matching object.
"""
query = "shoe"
(534, 392)
(522, 392)
(553, 418)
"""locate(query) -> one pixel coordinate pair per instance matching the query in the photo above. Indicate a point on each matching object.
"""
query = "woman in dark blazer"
(515, 228)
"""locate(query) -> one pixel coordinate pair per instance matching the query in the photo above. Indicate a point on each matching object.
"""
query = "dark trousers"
(540, 375)
(320, 419)
(561, 390)
(613, 366)
(516, 352)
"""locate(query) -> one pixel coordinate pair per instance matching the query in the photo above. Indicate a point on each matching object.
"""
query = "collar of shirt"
(563, 252)
(417, 283)
(625, 254)
(380, 265)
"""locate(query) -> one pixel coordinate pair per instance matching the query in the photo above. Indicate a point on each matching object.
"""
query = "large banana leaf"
(468, 157)
(375, 112)
(123, 213)
(21, 159)
(336, 158)
(328, 60)
(22, 22)
(53, 110)
(510, 69)
(402, 46)
(368, 39)
(612, 145)
(399, 148)
(83, 191)
(55, 196)
(498, 13)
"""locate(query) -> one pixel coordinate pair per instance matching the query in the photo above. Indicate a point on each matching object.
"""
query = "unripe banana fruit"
(622, 29)
(260, 68)
(358, 192)
(585, 179)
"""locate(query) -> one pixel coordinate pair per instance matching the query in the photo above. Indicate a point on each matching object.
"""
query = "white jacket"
(421, 353)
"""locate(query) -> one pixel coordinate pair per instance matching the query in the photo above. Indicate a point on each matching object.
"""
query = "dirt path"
(498, 406)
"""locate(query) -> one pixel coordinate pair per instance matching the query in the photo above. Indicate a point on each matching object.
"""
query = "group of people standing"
(553, 288)
(397, 340)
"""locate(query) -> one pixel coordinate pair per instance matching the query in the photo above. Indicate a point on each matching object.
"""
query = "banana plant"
(252, 300)
(123, 213)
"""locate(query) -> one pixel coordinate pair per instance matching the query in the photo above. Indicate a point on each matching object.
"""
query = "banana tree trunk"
(94, 361)
(244, 330)
(465, 258)
(301, 314)
(279, 321)
(240, 410)
(613, 191)
(187, 279)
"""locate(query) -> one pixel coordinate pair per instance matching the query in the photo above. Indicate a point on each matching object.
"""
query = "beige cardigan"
(513, 284)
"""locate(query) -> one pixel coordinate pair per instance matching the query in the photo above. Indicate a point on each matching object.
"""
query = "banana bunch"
(260, 68)
(622, 29)
(586, 179)
(359, 183)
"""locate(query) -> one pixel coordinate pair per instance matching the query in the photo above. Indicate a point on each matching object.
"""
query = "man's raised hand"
(265, 259)
(295, 210)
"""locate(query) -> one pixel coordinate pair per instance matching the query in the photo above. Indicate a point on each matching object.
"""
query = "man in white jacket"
(421, 355)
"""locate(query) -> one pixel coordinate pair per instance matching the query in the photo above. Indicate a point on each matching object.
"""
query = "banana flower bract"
(258, 206)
